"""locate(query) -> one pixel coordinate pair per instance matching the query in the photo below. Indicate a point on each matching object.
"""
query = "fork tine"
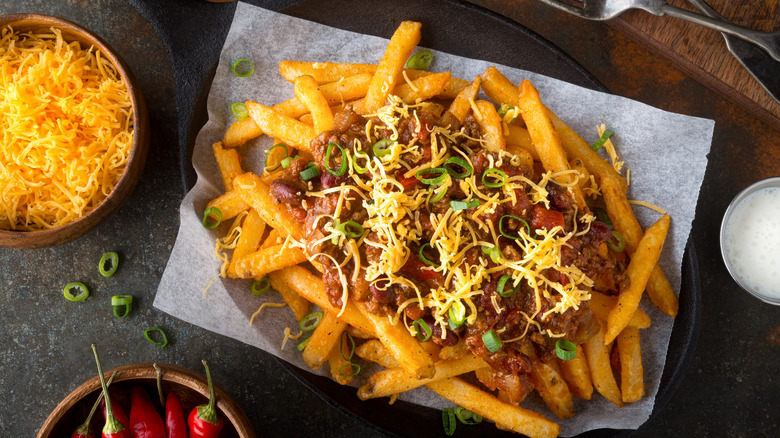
(574, 10)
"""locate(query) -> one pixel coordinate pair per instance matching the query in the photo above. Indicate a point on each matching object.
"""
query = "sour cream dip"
(750, 240)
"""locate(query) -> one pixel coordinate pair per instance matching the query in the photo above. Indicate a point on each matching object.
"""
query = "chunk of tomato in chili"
(414, 270)
(547, 219)
(407, 182)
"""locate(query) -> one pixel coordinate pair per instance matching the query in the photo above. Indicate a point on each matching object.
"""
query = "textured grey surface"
(45, 347)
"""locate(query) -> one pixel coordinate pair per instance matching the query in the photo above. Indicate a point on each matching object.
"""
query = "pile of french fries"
(263, 247)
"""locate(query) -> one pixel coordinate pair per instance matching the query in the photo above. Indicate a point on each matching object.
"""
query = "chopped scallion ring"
(347, 357)
(352, 366)
(343, 167)
(310, 321)
(616, 243)
(268, 154)
(420, 60)
(125, 301)
(502, 290)
(466, 416)
(502, 112)
(285, 163)
(460, 162)
(382, 148)
(81, 291)
(302, 345)
(240, 70)
(495, 178)
(501, 226)
(261, 286)
(208, 223)
(438, 196)
(358, 168)
(565, 350)
(492, 341)
(239, 110)
(350, 229)
(310, 172)
(457, 313)
(603, 139)
(462, 205)
(449, 421)
(493, 252)
(421, 254)
(422, 174)
(602, 216)
(423, 329)
(148, 335)
(108, 264)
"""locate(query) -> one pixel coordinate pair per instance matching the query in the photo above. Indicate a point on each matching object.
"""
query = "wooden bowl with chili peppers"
(190, 387)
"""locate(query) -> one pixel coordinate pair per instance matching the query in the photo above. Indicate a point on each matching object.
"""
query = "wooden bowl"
(189, 386)
(138, 151)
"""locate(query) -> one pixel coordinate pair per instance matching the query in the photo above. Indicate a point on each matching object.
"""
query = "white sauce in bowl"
(751, 242)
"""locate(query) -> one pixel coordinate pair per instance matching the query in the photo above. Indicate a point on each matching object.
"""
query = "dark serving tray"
(194, 32)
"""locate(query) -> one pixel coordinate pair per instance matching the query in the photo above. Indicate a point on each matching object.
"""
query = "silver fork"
(600, 10)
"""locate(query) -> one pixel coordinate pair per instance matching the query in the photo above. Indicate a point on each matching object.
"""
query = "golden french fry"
(230, 204)
(577, 375)
(515, 418)
(499, 88)
(551, 386)
(632, 383)
(638, 271)
(280, 126)
(597, 355)
(454, 351)
(356, 333)
(240, 132)
(461, 105)
(453, 88)
(517, 138)
(374, 351)
(261, 262)
(274, 238)
(326, 337)
(307, 91)
(423, 88)
(298, 304)
(229, 164)
(602, 304)
(395, 381)
(248, 242)
(257, 194)
(341, 369)
(388, 73)
(323, 72)
(490, 126)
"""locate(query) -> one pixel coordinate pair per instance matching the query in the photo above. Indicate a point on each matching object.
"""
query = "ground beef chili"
(522, 317)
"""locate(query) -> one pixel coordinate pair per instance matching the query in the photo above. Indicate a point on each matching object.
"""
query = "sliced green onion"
(420, 60)
(565, 350)
(602, 216)
(351, 346)
(310, 321)
(493, 252)
(268, 154)
(603, 139)
(438, 196)
(501, 287)
(209, 223)
(108, 264)
(239, 110)
(311, 171)
(125, 301)
(501, 226)
(261, 286)
(458, 161)
(504, 110)
(421, 254)
(619, 245)
(243, 73)
(449, 421)
(496, 174)
(358, 168)
(81, 291)
(466, 416)
(457, 314)
(462, 205)
(421, 175)
(423, 330)
(492, 341)
(302, 345)
(285, 163)
(353, 366)
(148, 335)
(382, 147)
(343, 167)
(350, 229)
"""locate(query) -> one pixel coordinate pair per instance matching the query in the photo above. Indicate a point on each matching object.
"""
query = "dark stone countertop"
(731, 388)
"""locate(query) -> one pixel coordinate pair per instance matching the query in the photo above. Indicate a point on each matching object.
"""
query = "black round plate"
(453, 27)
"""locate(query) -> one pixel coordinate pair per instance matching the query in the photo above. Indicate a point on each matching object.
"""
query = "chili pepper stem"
(208, 412)
(112, 424)
(83, 429)
(159, 373)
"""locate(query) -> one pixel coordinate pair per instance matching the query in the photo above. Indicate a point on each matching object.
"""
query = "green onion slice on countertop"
(122, 302)
(81, 291)
(108, 264)
(148, 333)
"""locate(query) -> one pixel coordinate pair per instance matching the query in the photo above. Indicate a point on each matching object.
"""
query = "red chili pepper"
(204, 421)
(119, 413)
(113, 427)
(175, 422)
(145, 422)
(83, 431)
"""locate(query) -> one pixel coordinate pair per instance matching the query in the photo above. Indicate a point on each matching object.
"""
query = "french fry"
(461, 105)
(551, 386)
(323, 72)
(632, 384)
(356, 333)
(274, 238)
(602, 304)
(515, 418)
(518, 138)
(374, 351)
(230, 204)
(280, 126)
(261, 262)
(423, 88)
(257, 194)
(638, 272)
(388, 73)
(577, 375)
(454, 351)
(298, 304)
(453, 87)
(251, 234)
(395, 381)
(490, 126)
(597, 355)
(229, 164)
(341, 369)
(326, 337)
(240, 132)
(307, 91)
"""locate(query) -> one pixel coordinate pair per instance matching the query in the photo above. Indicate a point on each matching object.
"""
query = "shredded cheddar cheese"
(66, 130)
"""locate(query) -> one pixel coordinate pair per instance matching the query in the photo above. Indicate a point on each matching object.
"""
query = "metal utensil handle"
(761, 39)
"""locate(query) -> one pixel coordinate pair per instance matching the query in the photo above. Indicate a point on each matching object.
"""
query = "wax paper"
(666, 152)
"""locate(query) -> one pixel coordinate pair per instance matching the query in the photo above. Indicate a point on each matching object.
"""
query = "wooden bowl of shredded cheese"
(74, 131)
